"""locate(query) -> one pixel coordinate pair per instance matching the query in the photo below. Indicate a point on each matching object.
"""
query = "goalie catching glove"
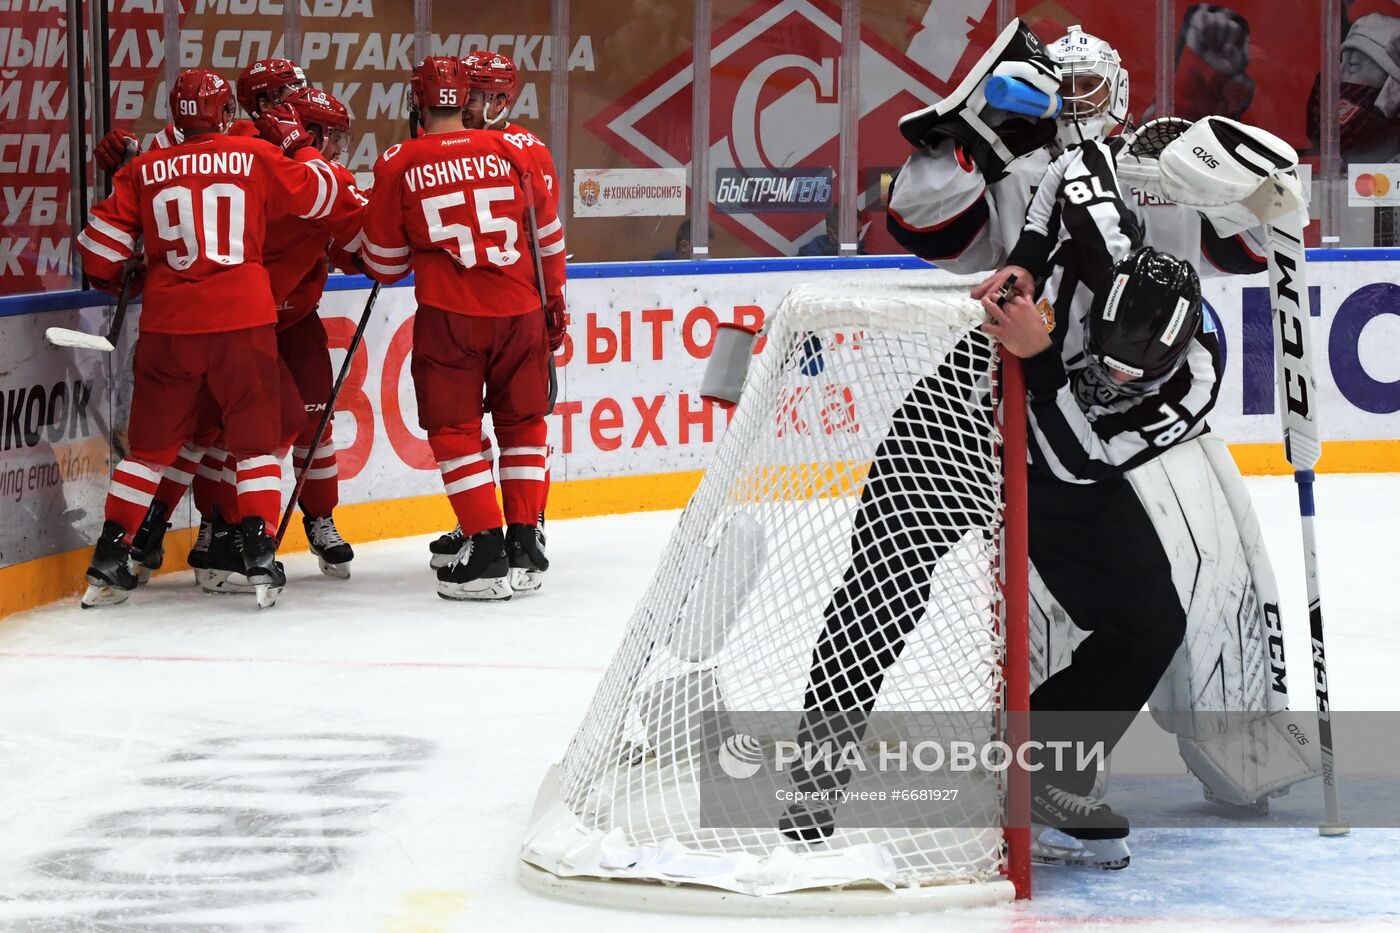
(991, 137)
(1238, 175)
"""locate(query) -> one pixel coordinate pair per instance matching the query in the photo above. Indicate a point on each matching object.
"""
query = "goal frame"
(1010, 574)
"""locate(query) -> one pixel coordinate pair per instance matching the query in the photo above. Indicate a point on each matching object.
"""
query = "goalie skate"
(1050, 846)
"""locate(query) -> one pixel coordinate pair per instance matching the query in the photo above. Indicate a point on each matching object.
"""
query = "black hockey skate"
(332, 551)
(109, 576)
(223, 570)
(527, 560)
(482, 571)
(447, 548)
(148, 544)
(198, 557)
(260, 563)
(1077, 830)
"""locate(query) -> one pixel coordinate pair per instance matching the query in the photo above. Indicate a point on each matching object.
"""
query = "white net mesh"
(841, 552)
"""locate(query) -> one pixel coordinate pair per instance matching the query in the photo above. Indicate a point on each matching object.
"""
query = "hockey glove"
(116, 148)
(281, 126)
(556, 322)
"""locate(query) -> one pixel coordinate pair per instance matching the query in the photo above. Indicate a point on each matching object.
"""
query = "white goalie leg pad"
(1232, 658)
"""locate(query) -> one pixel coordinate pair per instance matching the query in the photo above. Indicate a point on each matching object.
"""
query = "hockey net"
(743, 594)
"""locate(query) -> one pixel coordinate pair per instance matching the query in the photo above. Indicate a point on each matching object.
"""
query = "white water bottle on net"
(855, 551)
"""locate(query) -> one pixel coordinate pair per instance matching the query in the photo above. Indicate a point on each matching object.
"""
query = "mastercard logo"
(1370, 185)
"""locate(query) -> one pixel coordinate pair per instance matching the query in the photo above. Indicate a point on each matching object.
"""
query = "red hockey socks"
(472, 491)
(260, 490)
(320, 494)
(524, 471)
(134, 484)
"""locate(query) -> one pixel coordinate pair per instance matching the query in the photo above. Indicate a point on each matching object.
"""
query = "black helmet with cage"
(1140, 329)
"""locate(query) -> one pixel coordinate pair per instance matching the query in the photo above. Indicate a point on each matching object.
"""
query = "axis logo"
(774, 82)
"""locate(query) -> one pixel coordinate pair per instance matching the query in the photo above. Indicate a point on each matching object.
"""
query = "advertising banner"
(60, 412)
(629, 378)
(629, 192)
(631, 369)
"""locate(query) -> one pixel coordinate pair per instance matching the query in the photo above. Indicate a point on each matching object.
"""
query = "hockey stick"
(326, 416)
(1297, 389)
(527, 183)
(66, 337)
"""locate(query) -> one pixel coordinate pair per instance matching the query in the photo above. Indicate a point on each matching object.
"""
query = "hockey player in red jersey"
(296, 257)
(450, 207)
(492, 84)
(201, 207)
(202, 461)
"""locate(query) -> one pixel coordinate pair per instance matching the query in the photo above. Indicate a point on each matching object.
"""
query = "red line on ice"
(329, 662)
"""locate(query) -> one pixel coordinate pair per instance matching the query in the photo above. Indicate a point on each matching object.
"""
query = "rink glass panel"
(362, 49)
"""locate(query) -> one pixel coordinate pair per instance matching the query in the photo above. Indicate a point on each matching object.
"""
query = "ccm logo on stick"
(1204, 155)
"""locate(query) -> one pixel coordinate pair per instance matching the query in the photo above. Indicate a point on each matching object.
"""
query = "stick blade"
(64, 337)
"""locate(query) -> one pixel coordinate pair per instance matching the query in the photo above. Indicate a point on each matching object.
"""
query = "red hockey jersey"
(296, 250)
(539, 154)
(450, 207)
(202, 207)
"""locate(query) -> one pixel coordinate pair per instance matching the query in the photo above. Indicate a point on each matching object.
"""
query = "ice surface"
(365, 756)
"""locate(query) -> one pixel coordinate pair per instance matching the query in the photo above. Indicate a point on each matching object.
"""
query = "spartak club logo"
(774, 78)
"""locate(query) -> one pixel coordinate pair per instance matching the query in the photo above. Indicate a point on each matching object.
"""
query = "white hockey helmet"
(1094, 87)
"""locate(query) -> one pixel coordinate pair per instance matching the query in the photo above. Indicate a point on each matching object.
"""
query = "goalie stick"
(1297, 387)
(326, 416)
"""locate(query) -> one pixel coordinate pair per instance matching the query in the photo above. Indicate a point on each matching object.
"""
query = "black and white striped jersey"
(1082, 430)
(941, 209)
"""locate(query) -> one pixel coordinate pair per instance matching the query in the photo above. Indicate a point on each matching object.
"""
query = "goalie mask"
(1139, 331)
(1093, 84)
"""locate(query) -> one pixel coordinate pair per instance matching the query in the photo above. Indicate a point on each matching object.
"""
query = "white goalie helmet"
(1094, 85)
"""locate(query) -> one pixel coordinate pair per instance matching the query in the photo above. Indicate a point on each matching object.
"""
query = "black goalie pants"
(1093, 545)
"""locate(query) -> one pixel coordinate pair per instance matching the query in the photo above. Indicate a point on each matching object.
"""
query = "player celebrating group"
(454, 208)
(201, 206)
(295, 256)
